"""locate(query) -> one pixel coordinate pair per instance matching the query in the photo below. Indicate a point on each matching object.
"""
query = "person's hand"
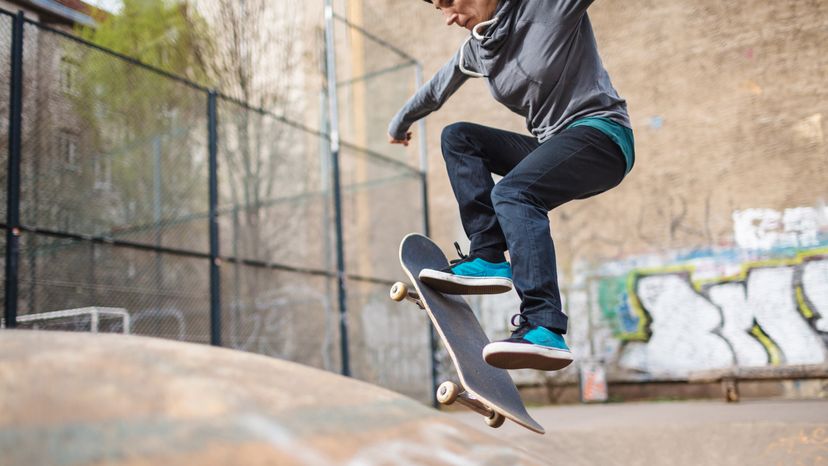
(405, 142)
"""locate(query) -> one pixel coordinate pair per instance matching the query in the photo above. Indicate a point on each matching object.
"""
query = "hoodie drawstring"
(476, 35)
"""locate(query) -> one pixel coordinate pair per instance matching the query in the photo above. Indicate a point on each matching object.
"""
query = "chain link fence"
(382, 201)
(116, 163)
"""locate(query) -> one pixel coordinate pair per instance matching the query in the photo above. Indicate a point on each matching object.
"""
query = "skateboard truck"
(449, 392)
(400, 291)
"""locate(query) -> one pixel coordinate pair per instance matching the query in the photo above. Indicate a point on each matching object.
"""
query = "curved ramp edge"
(79, 398)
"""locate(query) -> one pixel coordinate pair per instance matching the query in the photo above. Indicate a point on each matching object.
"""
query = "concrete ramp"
(82, 399)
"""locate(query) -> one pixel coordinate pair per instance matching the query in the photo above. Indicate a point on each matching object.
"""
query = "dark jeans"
(513, 214)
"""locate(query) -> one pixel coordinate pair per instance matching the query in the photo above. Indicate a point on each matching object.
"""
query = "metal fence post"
(13, 195)
(215, 277)
(337, 189)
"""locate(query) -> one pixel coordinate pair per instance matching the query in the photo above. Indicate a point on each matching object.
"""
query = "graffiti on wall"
(674, 321)
(798, 227)
(761, 302)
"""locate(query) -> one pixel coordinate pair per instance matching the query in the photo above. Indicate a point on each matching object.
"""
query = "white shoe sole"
(456, 284)
(506, 355)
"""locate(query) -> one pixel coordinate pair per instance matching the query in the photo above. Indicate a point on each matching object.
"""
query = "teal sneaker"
(530, 347)
(469, 275)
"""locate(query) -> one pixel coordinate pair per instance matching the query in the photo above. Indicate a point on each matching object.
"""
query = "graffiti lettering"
(772, 313)
(768, 228)
(682, 326)
(814, 295)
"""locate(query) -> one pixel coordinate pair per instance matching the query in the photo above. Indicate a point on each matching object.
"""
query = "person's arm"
(570, 8)
(427, 99)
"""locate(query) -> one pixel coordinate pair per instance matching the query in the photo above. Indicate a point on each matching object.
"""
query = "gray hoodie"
(541, 61)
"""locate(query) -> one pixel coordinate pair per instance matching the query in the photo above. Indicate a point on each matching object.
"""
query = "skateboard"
(485, 389)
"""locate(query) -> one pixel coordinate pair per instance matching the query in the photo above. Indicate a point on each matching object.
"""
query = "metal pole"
(13, 194)
(432, 340)
(157, 208)
(325, 177)
(337, 190)
(156, 187)
(423, 147)
(215, 278)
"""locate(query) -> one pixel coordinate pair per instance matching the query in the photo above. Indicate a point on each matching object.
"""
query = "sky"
(113, 6)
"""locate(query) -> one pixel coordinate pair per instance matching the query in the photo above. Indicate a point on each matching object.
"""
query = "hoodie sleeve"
(570, 8)
(428, 98)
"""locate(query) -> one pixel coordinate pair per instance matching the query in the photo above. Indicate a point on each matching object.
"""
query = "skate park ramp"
(83, 399)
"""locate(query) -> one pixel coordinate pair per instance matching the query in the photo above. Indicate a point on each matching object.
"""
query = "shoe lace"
(463, 257)
(522, 324)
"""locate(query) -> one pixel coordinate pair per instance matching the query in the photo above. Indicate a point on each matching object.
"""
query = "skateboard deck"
(462, 335)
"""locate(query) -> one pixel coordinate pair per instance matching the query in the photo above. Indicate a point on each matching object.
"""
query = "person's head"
(466, 13)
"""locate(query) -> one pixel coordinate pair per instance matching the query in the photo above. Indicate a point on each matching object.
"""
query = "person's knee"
(453, 136)
(503, 194)
(510, 193)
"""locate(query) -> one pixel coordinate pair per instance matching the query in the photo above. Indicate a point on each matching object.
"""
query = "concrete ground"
(674, 433)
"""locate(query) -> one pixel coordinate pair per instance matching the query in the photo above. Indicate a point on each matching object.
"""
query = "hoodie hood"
(494, 32)
(497, 32)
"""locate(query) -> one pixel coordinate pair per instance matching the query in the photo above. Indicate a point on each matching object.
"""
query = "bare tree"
(256, 47)
(267, 166)
(256, 60)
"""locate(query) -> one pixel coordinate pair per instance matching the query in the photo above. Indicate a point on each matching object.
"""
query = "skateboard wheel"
(399, 291)
(447, 393)
(495, 421)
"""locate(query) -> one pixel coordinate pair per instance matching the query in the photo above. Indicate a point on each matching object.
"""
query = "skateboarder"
(540, 59)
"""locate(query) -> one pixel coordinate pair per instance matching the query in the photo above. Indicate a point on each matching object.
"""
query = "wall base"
(569, 393)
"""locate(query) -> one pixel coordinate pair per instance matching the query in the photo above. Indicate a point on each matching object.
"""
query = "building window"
(103, 172)
(67, 145)
(68, 76)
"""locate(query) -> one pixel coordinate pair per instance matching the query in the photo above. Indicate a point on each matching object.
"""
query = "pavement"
(770, 432)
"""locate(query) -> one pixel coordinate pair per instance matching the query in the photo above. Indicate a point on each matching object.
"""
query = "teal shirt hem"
(619, 134)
